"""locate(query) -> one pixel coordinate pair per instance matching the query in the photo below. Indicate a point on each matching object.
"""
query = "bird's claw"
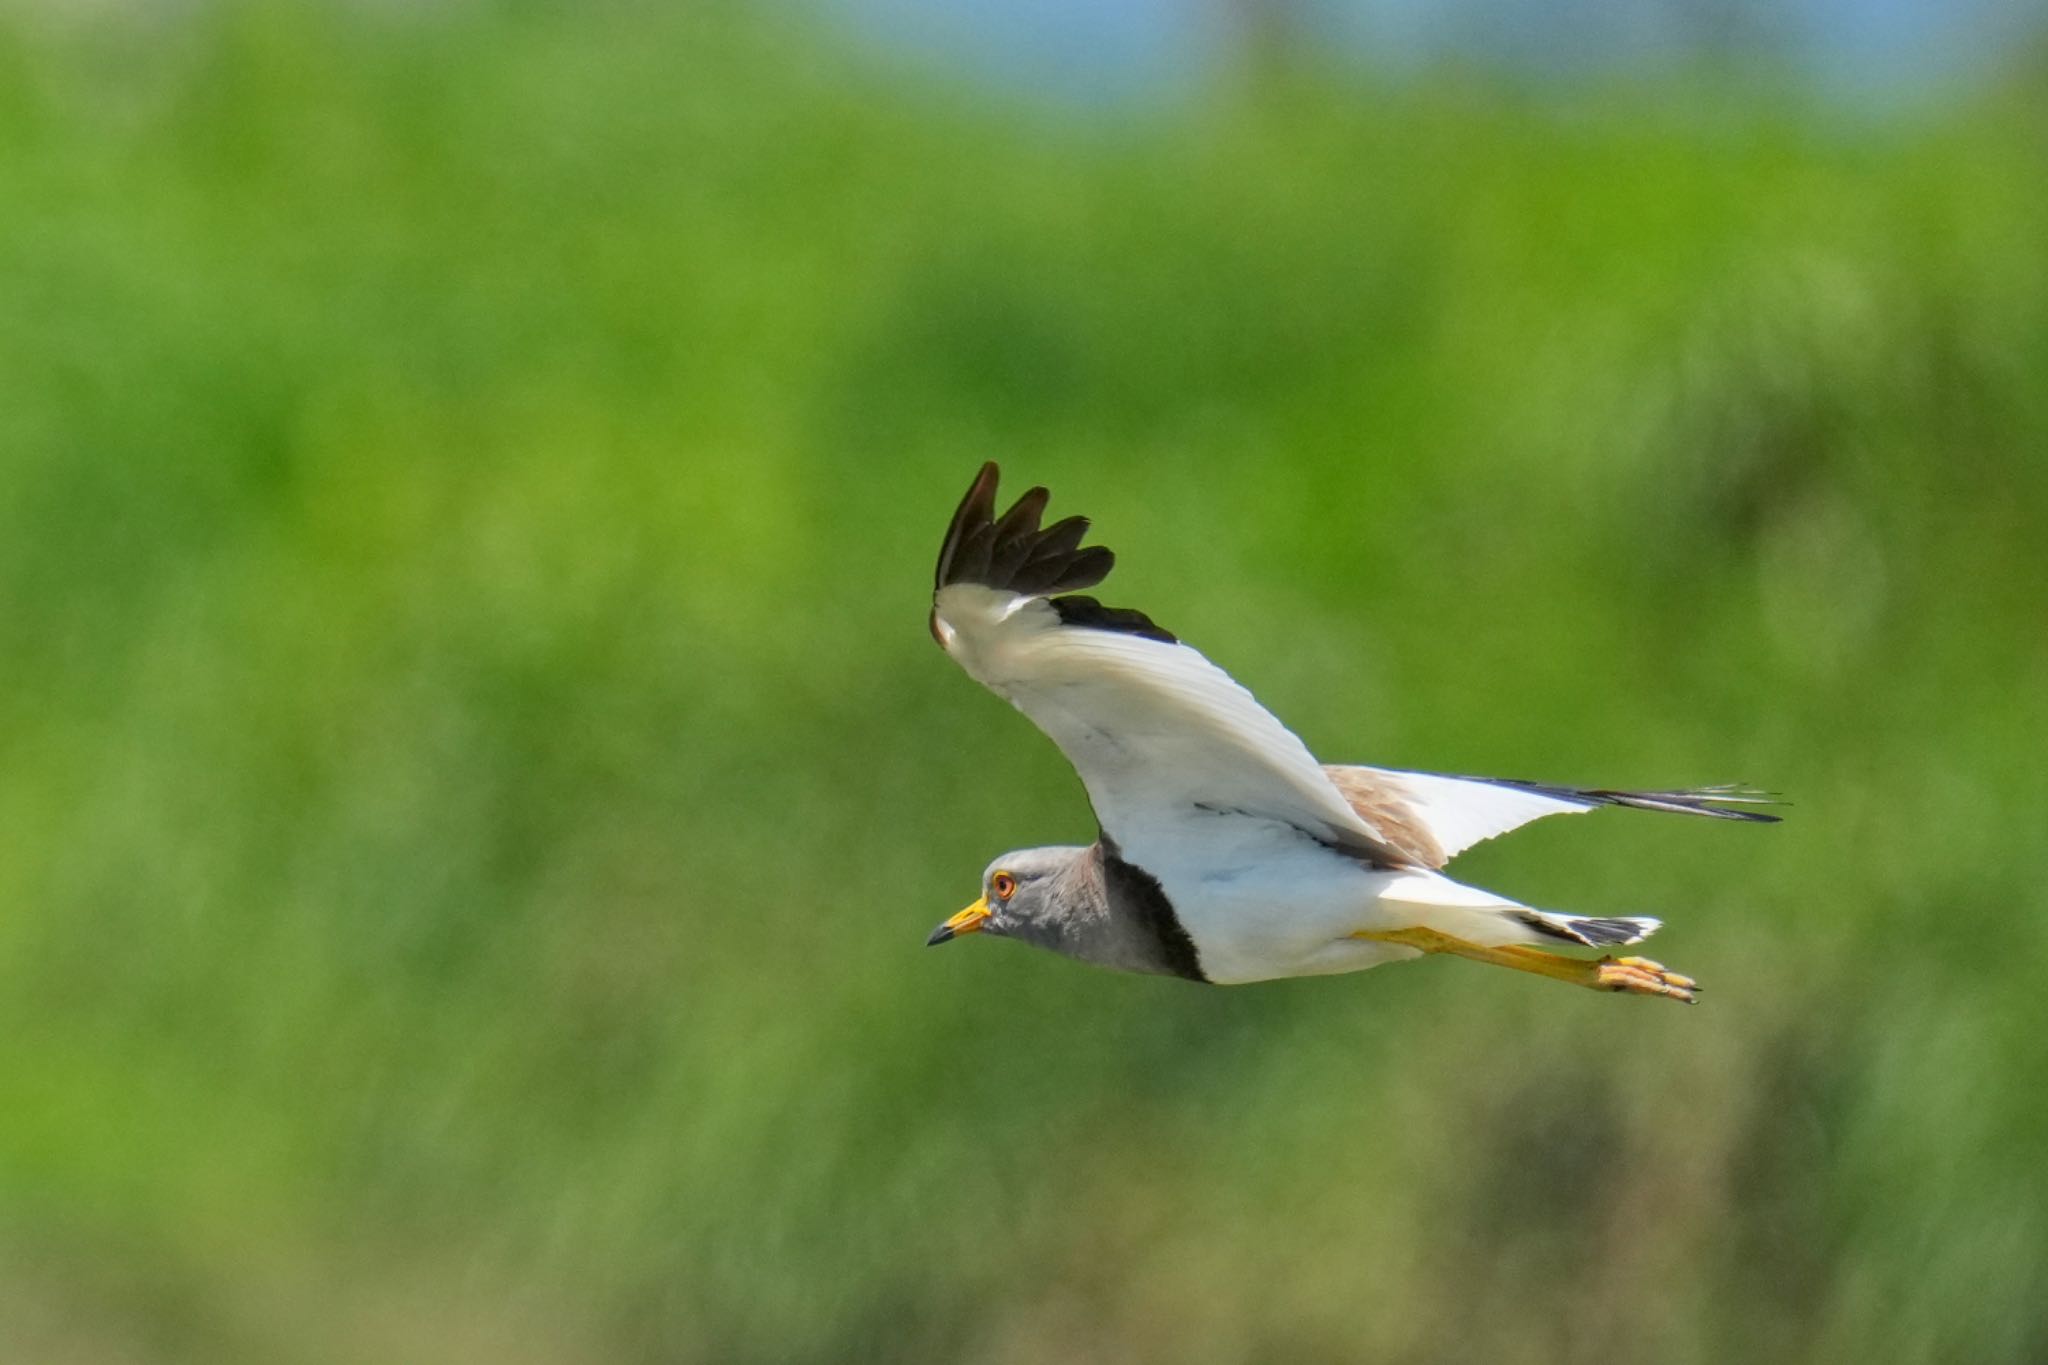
(1640, 976)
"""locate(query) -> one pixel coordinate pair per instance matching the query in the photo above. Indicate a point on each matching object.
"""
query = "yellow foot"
(1640, 976)
(1635, 975)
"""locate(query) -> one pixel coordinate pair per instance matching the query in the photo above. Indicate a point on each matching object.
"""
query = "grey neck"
(1114, 914)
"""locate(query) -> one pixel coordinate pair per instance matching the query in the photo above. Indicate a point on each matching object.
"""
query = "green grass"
(474, 779)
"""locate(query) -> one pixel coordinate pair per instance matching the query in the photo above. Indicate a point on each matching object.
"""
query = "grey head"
(1076, 902)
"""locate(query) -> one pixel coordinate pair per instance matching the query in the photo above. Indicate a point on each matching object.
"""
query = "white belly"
(1261, 900)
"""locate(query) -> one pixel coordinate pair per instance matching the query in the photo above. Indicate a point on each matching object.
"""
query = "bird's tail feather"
(1434, 901)
(1591, 931)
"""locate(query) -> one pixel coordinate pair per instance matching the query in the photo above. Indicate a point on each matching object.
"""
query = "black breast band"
(1137, 892)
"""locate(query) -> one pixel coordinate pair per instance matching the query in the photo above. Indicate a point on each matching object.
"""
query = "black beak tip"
(940, 935)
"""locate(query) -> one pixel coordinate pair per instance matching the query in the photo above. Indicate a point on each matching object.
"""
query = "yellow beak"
(968, 921)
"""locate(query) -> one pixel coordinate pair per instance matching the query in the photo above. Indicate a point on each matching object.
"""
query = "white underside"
(1270, 903)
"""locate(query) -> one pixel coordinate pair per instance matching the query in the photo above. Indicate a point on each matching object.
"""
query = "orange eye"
(1004, 885)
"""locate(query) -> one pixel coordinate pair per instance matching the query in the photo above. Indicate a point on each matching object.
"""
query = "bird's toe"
(1640, 976)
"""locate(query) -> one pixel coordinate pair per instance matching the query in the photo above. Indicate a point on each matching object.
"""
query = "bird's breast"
(1255, 897)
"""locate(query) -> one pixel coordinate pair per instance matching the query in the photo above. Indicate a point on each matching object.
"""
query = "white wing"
(1434, 818)
(1169, 747)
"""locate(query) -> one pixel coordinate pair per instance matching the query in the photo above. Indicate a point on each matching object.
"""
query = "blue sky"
(1097, 49)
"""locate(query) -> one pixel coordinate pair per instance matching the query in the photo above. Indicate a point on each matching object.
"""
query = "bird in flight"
(1227, 853)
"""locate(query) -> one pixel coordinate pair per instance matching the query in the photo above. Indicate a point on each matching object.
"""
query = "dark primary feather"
(1011, 554)
(974, 511)
(1692, 801)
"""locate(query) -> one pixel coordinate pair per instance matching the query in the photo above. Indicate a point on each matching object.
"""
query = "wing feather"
(1434, 817)
(1166, 743)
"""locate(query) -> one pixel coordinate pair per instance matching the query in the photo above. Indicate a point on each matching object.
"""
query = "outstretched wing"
(1169, 747)
(1432, 818)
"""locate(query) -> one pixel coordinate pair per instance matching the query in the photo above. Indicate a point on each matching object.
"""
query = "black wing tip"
(1722, 803)
(976, 508)
(1726, 802)
(1011, 553)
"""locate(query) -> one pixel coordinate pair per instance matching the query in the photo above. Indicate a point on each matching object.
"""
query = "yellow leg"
(1637, 975)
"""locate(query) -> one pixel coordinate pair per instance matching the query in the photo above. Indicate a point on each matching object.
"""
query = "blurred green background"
(474, 780)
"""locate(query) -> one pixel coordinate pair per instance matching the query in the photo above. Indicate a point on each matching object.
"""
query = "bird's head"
(1020, 897)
